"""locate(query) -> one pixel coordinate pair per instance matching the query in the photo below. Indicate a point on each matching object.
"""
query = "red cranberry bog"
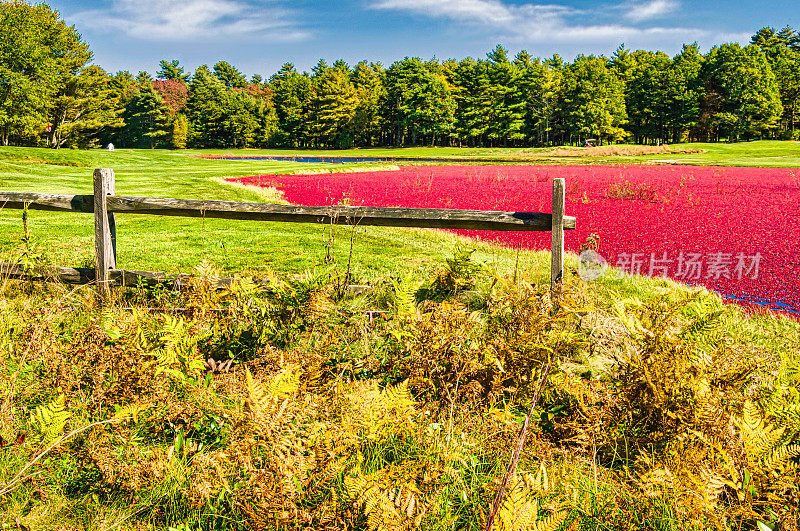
(731, 229)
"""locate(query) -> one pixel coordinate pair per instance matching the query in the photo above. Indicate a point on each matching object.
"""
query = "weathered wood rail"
(104, 204)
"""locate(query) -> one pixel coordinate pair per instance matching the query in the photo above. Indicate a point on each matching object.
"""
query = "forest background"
(51, 94)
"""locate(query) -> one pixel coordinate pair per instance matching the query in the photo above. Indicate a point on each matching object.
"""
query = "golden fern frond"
(552, 522)
(50, 419)
(780, 457)
(268, 403)
(397, 398)
(758, 437)
(142, 338)
(206, 270)
(377, 412)
(257, 394)
(331, 469)
(131, 410)
(712, 485)
(517, 512)
(243, 288)
(284, 384)
(751, 421)
(541, 482)
(390, 503)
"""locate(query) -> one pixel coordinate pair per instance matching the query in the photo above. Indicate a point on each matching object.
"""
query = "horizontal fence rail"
(104, 204)
(432, 218)
(86, 275)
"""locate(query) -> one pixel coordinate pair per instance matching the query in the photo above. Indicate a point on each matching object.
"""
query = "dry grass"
(269, 194)
(345, 169)
(614, 151)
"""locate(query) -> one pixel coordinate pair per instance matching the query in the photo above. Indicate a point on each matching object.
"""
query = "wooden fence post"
(557, 234)
(105, 230)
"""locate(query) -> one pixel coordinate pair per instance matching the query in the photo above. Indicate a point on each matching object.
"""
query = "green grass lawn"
(179, 244)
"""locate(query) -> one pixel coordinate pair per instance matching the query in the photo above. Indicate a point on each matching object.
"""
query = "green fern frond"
(704, 318)
(552, 522)
(108, 322)
(405, 292)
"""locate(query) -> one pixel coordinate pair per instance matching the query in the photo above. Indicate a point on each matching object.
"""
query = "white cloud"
(492, 12)
(640, 12)
(190, 20)
(551, 24)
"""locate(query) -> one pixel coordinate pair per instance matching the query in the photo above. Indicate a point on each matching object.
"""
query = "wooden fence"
(104, 203)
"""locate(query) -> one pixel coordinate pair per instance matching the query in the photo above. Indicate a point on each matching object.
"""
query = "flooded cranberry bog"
(731, 229)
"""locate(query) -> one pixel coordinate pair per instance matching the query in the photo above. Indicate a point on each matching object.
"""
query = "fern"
(375, 413)
(779, 459)
(284, 384)
(389, 498)
(518, 512)
(765, 461)
(206, 270)
(267, 403)
(713, 485)
(257, 394)
(109, 325)
(405, 291)
(176, 348)
(521, 507)
(552, 522)
(540, 482)
(50, 419)
(758, 437)
(458, 274)
(131, 410)
(704, 318)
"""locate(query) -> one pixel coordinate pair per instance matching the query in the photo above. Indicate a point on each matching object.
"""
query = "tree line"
(51, 94)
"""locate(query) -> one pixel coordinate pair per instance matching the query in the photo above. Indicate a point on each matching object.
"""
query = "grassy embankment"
(777, 154)
(664, 410)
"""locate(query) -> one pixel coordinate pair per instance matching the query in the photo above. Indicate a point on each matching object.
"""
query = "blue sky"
(258, 36)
